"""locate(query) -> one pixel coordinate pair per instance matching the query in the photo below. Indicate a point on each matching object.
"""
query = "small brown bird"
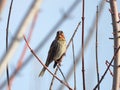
(56, 51)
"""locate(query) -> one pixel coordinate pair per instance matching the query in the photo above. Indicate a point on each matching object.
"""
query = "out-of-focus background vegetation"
(52, 16)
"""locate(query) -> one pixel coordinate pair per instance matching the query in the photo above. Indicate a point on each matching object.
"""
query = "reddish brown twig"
(83, 67)
(46, 66)
(107, 64)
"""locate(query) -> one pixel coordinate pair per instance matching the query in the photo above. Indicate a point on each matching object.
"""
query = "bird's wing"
(52, 52)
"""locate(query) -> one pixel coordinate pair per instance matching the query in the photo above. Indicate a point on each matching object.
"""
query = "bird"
(56, 52)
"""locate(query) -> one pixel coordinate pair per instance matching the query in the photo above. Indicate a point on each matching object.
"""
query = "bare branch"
(96, 47)
(51, 84)
(73, 34)
(83, 66)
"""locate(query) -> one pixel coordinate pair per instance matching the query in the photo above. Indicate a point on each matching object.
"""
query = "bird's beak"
(62, 36)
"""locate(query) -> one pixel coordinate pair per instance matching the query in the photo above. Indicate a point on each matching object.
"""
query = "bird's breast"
(60, 50)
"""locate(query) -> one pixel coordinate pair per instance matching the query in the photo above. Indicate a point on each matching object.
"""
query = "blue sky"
(50, 13)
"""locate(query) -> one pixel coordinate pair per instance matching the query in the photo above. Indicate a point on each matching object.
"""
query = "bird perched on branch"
(56, 51)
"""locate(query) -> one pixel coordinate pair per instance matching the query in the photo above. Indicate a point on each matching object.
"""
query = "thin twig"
(83, 67)
(51, 84)
(73, 34)
(96, 46)
(7, 28)
(58, 68)
(115, 54)
(107, 64)
(73, 51)
(62, 74)
(45, 65)
(112, 65)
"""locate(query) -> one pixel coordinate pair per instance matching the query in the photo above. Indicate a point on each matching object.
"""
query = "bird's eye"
(58, 33)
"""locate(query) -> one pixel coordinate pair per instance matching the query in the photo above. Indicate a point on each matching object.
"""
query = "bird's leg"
(58, 61)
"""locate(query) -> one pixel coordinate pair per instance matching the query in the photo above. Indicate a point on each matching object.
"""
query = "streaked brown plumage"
(56, 51)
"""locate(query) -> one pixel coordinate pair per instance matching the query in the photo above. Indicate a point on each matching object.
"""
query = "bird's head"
(60, 35)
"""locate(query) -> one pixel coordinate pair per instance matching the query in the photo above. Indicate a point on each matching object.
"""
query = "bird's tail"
(42, 72)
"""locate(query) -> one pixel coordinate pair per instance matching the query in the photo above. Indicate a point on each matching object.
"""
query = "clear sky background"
(50, 13)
